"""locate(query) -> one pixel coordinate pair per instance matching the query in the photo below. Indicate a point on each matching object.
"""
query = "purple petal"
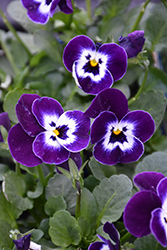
(66, 6)
(133, 43)
(142, 122)
(53, 6)
(116, 61)
(74, 49)
(99, 126)
(77, 126)
(25, 115)
(137, 213)
(37, 12)
(162, 192)
(108, 100)
(47, 111)
(75, 157)
(110, 229)
(159, 226)
(111, 153)
(148, 180)
(97, 246)
(20, 145)
(5, 122)
(23, 243)
(46, 147)
(92, 84)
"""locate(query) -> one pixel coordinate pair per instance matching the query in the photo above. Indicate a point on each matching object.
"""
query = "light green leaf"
(148, 243)
(84, 226)
(156, 28)
(38, 191)
(8, 212)
(88, 207)
(64, 229)
(101, 171)
(156, 162)
(111, 196)
(14, 189)
(6, 242)
(152, 101)
(61, 185)
(55, 204)
(3, 170)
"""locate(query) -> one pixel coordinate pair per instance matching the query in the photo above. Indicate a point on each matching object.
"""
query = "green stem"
(10, 27)
(78, 203)
(10, 57)
(41, 175)
(140, 16)
(88, 6)
(125, 238)
(17, 166)
(133, 99)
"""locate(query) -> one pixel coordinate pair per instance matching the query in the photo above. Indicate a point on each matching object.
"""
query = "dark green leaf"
(148, 243)
(6, 242)
(55, 204)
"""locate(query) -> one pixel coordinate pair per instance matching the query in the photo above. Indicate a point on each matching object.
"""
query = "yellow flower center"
(56, 132)
(117, 132)
(93, 63)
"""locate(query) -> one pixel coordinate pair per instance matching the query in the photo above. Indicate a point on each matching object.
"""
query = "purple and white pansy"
(45, 133)
(146, 211)
(118, 134)
(24, 243)
(39, 11)
(94, 66)
(107, 244)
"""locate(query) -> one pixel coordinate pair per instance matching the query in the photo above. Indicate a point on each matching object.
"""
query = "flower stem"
(125, 238)
(133, 99)
(11, 28)
(88, 6)
(140, 16)
(41, 175)
(17, 166)
(78, 203)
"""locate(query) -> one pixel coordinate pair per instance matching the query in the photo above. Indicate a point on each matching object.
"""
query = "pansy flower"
(133, 43)
(118, 134)
(5, 122)
(146, 211)
(94, 66)
(24, 243)
(106, 244)
(45, 133)
(39, 11)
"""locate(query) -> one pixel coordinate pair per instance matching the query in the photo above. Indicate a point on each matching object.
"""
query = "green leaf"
(61, 185)
(38, 191)
(156, 28)
(47, 42)
(8, 212)
(101, 171)
(14, 189)
(3, 170)
(55, 204)
(64, 229)
(153, 102)
(156, 162)
(111, 196)
(10, 102)
(16, 10)
(84, 226)
(6, 243)
(148, 243)
(88, 207)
